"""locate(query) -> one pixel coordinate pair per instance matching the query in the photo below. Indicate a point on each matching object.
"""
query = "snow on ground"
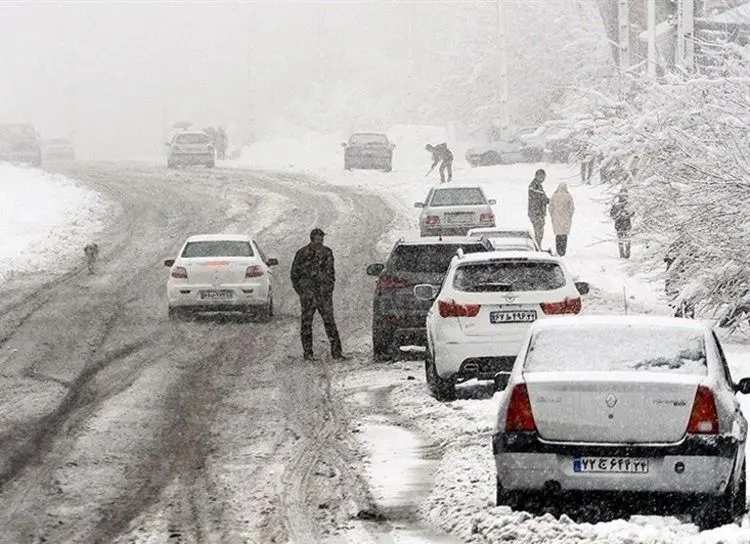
(45, 220)
(462, 498)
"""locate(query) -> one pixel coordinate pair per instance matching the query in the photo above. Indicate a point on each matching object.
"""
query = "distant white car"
(452, 210)
(220, 273)
(626, 405)
(191, 147)
(524, 234)
(481, 313)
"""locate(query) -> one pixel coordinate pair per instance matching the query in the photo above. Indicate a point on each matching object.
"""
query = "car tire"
(175, 313)
(210, 164)
(725, 509)
(347, 166)
(266, 312)
(382, 344)
(170, 164)
(442, 389)
(388, 167)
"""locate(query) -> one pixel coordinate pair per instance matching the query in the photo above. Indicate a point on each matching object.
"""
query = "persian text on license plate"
(621, 465)
(216, 295)
(519, 316)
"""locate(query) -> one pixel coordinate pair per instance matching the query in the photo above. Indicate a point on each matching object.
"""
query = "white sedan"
(480, 315)
(623, 407)
(220, 273)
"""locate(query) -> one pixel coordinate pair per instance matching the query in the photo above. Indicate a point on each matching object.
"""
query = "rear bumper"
(192, 158)
(367, 162)
(243, 297)
(475, 357)
(404, 329)
(525, 463)
(452, 230)
(31, 157)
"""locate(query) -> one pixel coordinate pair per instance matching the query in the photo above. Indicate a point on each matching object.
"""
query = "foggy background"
(114, 76)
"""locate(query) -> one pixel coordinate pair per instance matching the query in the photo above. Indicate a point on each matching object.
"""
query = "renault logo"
(611, 400)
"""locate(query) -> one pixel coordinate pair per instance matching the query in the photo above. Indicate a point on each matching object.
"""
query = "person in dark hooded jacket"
(623, 217)
(313, 278)
(443, 156)
(538, 201)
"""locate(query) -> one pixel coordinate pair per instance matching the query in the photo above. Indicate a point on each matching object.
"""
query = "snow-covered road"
(369, 455)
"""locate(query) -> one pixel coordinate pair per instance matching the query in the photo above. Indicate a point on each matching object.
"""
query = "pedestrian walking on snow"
(313, 278)
(538, 205)
(623, 216)
(561, 209)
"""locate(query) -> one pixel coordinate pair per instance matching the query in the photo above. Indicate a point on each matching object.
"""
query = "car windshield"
(509, 275)
(218, 248)
(464, 196)
(368, 139)
(427, 258)
(628, 348)
(192, 139)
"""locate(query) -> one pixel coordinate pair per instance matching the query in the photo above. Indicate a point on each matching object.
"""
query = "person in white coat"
(561, 209)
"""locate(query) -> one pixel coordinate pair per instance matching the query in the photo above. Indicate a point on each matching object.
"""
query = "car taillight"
(392, 282)
(520, 416)
(179, 272)
(254, 271)
(567, 306)
(487, 218)
(703, 418)
(433, 219)
(450, 308)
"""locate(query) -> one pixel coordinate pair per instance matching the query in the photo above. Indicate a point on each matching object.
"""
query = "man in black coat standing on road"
(313, 278)
(538, 201)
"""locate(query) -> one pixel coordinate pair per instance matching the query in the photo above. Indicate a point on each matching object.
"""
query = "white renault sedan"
(220, 273)
(480, 315)
(631, 406)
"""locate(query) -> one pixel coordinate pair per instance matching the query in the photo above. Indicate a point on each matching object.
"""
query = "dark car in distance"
(398, 317)
(368, 150)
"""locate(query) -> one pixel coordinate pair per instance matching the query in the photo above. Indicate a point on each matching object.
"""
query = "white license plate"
(458, 219)
(216, 295)
(520, 316)
(611, 465)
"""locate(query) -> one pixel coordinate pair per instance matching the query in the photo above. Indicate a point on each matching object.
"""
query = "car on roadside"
(480, 314)
(398, 317)
(369, 150)
(191, 148)
(507, 236)
(453, 210)
(58, 149)
(640, 409)
(521, 147)
(220, 273)
(20, 143)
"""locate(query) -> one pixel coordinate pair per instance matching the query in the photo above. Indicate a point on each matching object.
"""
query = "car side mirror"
(375, 269)
(743, 387)
(583, 287)
(343, 144)
(419, 204)
(425, 291)
(272, 262)
(492, 202)
(169, 262)
(501, 381)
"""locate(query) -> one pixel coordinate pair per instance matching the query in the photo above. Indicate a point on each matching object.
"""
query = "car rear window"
(192, 139)
(364, 139)
(427, 258)
(489, 277)
(218, 248)
(621, 348)
(468, 196)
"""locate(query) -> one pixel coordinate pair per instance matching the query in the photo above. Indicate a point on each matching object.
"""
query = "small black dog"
(92, 252)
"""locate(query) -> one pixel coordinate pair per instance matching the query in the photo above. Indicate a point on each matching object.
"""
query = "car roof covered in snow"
(587, 321)
(505, 255)
(451, 186)
(500, 228)
(431, 240)
(219, 237)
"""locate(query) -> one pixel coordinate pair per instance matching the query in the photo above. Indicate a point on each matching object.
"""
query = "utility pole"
(502, 60)
(685, 51)
(623, 35)
(651, 24)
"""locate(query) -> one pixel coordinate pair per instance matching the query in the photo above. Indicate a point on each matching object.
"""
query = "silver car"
(452, 210)
(623, 406)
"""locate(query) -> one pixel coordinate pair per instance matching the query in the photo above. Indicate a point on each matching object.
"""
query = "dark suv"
(398, 317)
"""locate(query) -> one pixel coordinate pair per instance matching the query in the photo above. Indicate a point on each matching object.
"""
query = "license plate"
(456, 218)
(610, 465)
(519, 316)
(216, 295)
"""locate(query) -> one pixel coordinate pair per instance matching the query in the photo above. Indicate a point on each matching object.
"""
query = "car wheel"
(210, 164)
(503, 497)
(266, 313)
(174, 313)
(442, 389)
(388, 167)
(347, 166)
(725, 509)
(170, 164)
(382, 344)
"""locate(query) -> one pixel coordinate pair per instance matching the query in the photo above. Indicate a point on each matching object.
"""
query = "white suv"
(482, 311)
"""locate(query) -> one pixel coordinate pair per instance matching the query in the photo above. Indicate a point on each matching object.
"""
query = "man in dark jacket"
(538, 205)
(313, 278)
(623, 216)
(441, 154)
